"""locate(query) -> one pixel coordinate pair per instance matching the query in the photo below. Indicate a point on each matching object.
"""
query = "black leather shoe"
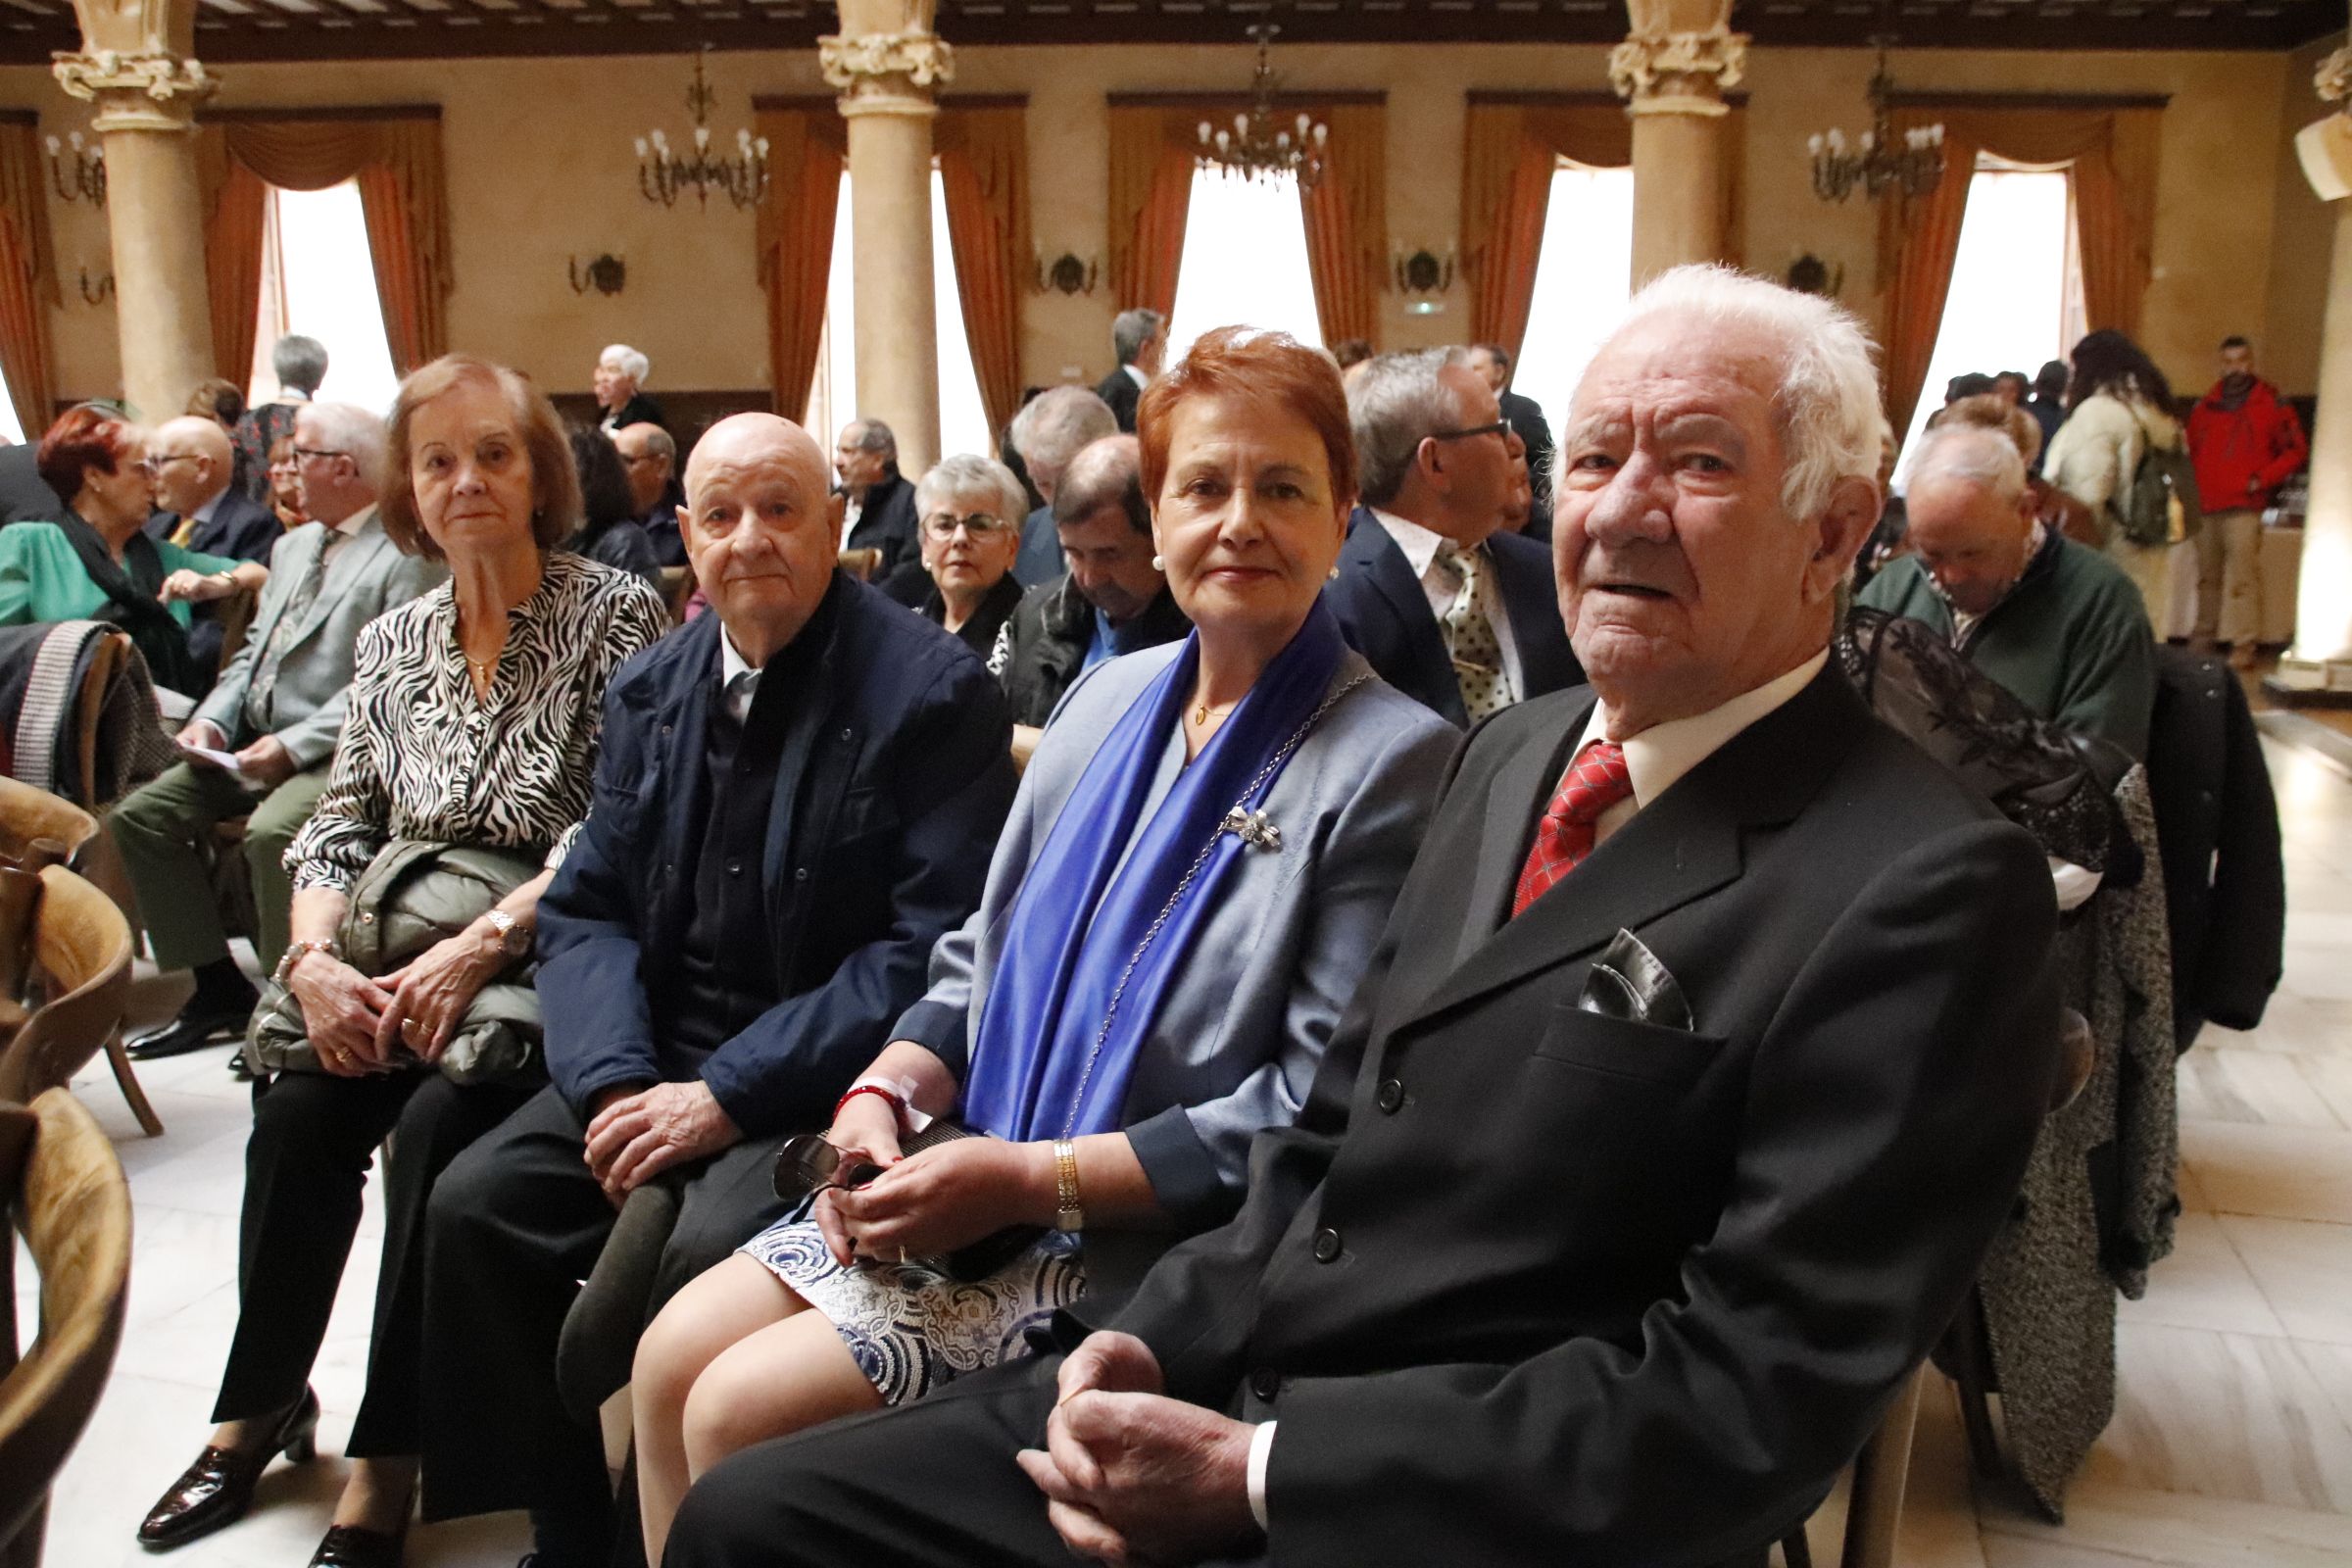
(190, 1031)
(352, 1547)
(217, 1489)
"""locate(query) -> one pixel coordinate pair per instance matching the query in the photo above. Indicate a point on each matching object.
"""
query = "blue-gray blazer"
(1239, 1036)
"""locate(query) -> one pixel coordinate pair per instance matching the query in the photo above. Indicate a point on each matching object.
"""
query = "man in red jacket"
(2246, 441)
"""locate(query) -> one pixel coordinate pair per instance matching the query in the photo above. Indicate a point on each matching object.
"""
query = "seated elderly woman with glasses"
(95, 560)
(1204, 851)
(969, 510)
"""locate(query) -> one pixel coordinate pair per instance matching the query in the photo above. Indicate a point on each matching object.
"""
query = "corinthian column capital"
(151, 90)
(886, 73)
(1679, 73)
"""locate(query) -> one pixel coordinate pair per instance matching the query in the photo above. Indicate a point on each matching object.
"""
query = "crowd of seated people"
(1295, 1001)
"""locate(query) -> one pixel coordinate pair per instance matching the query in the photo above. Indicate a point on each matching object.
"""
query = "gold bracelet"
(1068, 1213)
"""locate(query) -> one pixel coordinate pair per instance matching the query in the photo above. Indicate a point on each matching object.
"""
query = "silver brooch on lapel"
(1252, 828)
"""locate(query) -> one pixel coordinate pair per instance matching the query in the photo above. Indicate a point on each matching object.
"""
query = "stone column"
(887, 62)
(136, 66)
(1672, 72)
(2321, 660)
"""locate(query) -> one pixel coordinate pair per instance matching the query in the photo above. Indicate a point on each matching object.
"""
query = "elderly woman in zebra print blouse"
(473, 720)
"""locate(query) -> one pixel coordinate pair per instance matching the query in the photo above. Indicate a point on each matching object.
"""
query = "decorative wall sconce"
(1424, 273)
(82, 176)
(97, 293)
(1810, 274)
(606, 275)
(1066, 274)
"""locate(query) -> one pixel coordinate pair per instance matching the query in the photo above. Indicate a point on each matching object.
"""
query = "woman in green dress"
(97, 563)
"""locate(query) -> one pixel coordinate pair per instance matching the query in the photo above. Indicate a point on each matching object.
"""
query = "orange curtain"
(2110, 157)
(27, 280)
(984, 175)
(1509, 152)
(805, 147)
(404, 193)
(1347, 217)
(1151, 194)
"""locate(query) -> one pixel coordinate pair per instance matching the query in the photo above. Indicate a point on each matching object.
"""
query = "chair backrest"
(28, 814)
(68, 1196)
(862, 564)
(107, 660)
(234, 617)
(82, 944)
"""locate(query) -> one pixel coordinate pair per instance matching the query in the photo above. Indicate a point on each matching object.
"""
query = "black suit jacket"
(887, 522)
(240, 528)
(1528, 1284)
(639, 410)
(24, 496)
(1385, 616)
(889, 799)
(1526, 416)
(1118, 389)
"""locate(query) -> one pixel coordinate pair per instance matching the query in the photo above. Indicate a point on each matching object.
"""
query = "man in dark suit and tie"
(1450, 610)
(1493, 363)
(1694, 1075)
(1140, 339)
(201, 508)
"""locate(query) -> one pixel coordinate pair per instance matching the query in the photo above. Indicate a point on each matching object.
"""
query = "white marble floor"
(2232, 1444)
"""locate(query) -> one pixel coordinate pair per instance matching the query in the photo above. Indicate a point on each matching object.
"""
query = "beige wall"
(2302, 238)
(541, 169)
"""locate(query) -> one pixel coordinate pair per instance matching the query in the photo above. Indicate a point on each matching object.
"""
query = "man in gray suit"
(277, 710)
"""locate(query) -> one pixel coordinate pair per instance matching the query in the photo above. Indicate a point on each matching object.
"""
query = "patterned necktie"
(1470, 636)
(1597, 780)
(261, 690)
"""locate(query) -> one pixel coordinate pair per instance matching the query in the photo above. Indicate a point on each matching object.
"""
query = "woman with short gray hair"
(968, 512)
(300, 364)
(619, 382)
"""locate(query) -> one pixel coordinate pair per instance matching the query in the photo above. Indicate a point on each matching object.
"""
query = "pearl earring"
(1160, 563)
(1334, 573)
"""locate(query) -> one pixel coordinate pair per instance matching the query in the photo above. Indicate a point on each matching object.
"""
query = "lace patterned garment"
(912, 1327)
(421, 757)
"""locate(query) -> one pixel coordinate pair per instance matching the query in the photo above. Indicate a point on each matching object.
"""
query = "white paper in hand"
(225, 762)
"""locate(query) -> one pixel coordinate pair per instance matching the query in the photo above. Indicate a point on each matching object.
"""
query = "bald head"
(193, 462)
(761, 528)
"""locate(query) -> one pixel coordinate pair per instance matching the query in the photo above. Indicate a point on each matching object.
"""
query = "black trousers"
(306, 1164)
(512, 1229)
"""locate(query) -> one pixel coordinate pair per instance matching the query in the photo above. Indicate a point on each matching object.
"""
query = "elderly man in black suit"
(794, 797)
(879, 501)
(1450, 608)
(1493, 363)
(1695, 1073)
(1140, 339)
(651, 458)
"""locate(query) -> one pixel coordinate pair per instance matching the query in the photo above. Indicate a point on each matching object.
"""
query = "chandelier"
(665, 175)
(1912, 160)
(1260, 142)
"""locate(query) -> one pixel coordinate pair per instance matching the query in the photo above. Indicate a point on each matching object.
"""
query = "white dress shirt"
(733, 689)
(1655, 758)
(1135, 372)
(1420, 546)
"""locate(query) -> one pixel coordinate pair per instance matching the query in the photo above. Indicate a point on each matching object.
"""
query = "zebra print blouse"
(420, 757)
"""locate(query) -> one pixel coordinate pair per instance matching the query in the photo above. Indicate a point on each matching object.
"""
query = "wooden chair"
(234, 614)
(1873, 1504)
(28, 814)
(862, 564)
(65, 1193)
(677, 587)
(82, 946)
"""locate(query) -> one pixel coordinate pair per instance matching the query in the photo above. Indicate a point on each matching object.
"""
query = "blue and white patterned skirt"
(912, 1327)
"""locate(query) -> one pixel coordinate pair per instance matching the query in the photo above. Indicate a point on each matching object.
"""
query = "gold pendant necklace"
(1203, 713)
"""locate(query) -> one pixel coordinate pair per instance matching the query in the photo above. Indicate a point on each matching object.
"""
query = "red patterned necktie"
(1597, 780)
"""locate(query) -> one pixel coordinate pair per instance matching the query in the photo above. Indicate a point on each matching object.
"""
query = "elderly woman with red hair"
(96, 561)
(1196, 872)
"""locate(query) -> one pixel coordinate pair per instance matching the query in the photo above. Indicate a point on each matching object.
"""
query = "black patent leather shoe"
(190, 1031)
(217, 1489)
(353, 1547)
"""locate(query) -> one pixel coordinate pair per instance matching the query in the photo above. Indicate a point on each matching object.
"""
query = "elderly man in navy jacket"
(796, 796)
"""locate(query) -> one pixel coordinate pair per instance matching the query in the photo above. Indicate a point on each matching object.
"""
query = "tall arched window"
(316, 279)
(1584, 275)
(1244, 261)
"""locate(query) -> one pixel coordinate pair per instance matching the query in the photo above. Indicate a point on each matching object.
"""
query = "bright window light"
(10, 426)
(1244, 261)
(833, 396)
(318, 279)
(2007, 308)
(1583, 276)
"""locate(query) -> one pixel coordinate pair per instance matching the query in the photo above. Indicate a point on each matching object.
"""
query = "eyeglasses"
(981, 525)
(312, 452)
(151, 467)
(1501, 427)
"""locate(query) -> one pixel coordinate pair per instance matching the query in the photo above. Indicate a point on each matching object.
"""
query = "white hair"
(1056, 425)
(348, 428)
(1972, 454)
(628, 360)
(1828, 397)
(968, 474)
(1395, 402)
